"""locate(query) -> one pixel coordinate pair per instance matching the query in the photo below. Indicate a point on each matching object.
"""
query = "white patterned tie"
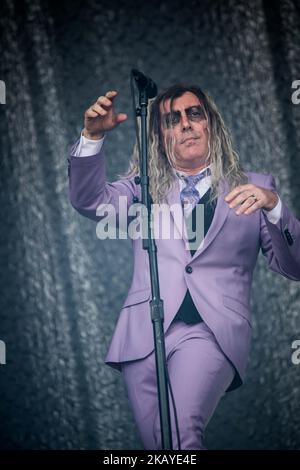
(189, 194)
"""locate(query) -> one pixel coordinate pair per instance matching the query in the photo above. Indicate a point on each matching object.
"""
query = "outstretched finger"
(121, 117)
(99, 110)
(90, 113)
(104, 101)
(111, 94)
(253, 208)
(238, 190)
(245, 206)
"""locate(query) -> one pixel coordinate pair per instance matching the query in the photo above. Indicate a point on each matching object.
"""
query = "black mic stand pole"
(156, 304)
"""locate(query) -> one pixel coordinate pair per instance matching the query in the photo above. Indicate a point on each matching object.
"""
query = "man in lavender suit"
(205, 287)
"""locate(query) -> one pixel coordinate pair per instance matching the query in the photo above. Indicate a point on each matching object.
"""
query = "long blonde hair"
(223, 159)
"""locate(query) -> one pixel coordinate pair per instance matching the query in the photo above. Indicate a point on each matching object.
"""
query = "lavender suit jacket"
(222, 268)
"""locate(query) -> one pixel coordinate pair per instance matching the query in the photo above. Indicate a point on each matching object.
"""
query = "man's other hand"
(250, 198)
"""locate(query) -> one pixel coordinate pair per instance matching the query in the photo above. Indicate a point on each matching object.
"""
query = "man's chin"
(191, 158)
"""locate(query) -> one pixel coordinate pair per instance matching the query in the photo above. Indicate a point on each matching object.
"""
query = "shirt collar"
(182, 174)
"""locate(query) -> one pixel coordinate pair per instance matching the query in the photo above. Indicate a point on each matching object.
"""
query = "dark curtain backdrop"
(61, 287)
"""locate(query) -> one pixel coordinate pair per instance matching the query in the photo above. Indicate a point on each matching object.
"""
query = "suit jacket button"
(189, 269)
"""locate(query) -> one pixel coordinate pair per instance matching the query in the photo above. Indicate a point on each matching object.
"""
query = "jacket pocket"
(137, 297)
(237, 307)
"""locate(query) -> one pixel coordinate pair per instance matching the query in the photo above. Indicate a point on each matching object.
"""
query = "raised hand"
(100, 117)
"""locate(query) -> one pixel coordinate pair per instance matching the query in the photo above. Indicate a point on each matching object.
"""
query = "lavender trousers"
(199, 374)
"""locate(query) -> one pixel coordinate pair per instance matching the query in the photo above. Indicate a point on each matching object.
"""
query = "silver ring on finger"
(255, 198)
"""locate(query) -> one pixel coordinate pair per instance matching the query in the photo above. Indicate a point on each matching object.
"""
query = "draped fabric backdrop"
(62, 287)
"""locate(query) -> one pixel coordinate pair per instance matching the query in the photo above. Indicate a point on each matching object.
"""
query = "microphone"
(144, 83)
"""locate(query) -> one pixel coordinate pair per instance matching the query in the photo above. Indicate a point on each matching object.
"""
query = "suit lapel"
(173, 198)
(220, 215)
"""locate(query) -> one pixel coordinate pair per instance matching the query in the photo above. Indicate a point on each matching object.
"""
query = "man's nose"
(185, 122)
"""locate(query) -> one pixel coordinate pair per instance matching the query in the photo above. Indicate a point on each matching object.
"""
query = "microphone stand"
(156, 304)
